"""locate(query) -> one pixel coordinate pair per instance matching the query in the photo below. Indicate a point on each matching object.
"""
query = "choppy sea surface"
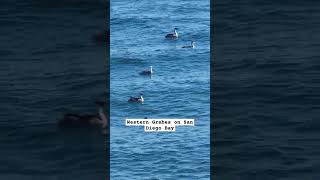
(179, 88)
(267, 84)
(49, 66)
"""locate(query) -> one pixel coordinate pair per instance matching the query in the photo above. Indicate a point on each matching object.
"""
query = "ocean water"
(179, 88)
(49, 66)
(266, 77)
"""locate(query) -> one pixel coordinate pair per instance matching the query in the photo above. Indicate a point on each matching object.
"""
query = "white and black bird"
(148, 72)
(136, 99)
(85, 120)
(190, 46)
(173, 35)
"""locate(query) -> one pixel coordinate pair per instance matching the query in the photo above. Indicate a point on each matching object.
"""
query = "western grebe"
(173, 35)
(76, 120)
(191, 46)
(147, 72)
(136, 99)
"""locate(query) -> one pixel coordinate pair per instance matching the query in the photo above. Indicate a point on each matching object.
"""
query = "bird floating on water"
(174, 35)
(147, 72)
(85, 120)
(190, 46)
(136, 99)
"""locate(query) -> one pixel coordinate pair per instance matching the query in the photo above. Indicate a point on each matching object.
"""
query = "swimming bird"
(191, 46)
(136, 99)
(147, 72)
(76, 120)
(174, 35)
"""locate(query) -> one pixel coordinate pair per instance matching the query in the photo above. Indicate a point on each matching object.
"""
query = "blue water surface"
(179, 88)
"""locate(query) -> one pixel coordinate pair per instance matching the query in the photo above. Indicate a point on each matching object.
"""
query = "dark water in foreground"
(267, 102)
(49, 66)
